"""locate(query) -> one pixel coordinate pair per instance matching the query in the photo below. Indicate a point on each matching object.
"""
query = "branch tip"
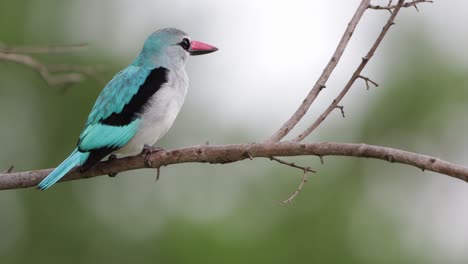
(297, 191)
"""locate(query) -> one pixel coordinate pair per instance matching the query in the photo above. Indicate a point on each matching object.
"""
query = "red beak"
(200, 48)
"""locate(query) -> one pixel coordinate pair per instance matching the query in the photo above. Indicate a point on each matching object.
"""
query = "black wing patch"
(155, 80)
(152, 84)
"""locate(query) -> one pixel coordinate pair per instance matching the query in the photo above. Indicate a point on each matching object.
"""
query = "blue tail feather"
(76, 158)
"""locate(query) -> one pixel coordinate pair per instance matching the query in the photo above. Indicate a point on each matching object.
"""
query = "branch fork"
(53, 75)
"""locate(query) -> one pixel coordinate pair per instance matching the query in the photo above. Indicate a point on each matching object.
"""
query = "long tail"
(76, 158)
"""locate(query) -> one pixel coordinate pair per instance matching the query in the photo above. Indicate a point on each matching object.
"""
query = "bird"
(138, 105)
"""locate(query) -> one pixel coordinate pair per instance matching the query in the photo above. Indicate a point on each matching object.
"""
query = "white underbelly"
(157, 117)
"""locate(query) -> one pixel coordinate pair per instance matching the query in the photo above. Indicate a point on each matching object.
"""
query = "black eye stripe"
(185, 44)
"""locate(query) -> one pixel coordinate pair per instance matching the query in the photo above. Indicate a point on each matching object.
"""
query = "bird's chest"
(159, 113)
(161, 110)
(163, 107)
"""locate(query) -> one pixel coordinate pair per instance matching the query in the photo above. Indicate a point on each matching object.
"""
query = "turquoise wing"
(115, 117)
(117, 93)
(112, 100)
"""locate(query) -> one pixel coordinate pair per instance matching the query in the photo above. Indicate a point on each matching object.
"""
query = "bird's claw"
(148, 150)
(112, 157)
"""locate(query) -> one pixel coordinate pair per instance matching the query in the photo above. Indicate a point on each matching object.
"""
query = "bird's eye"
(185, 44)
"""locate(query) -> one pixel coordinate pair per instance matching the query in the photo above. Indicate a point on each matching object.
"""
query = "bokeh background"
(271, 52)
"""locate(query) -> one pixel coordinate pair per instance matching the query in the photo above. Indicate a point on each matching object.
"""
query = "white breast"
(160, 113)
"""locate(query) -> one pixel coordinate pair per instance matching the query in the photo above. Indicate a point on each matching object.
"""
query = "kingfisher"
(138, 106)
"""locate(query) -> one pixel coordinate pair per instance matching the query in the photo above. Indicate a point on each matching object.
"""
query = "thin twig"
(158, 173)
(9, 170)
(355, 75)
(51, 49)
(341, 110)
(92, 71)
(52, 80)
(390, 7)
(66, 73)
(320, 83)
(297, 191)
(368, 80)
(292, 164)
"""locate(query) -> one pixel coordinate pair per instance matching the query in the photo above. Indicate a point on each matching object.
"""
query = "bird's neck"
(172, 62)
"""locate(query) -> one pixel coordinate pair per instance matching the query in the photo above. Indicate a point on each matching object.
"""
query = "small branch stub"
(341, 110)
(368, 80)
(158, 173)
(9, 170)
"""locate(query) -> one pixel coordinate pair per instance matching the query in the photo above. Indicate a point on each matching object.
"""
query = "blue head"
(170, 48)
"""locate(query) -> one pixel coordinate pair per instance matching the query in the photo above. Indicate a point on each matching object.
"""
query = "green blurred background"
(352, 211)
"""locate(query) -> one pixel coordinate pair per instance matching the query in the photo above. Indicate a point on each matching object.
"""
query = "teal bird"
(138, 106)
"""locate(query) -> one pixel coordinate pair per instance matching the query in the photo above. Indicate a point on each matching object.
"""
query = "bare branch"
(320, 83)
(158, 173)
(222, 154)
(52, 80)
(368, 80)
(67, 73)
(45, 49)
(321, 160)
(341, 110)
(303, 180)
(292, 164)
(356, 74)
(9, 170)
(92, 71)
(298, 190)
(390, 7)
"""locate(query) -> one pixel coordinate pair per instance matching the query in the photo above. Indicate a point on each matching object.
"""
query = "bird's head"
(170, 48)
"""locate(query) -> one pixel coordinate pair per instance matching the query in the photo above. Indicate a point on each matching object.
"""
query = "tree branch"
(322, 80)
(221, 154)
(50, 49)
(390, 7)
(68, 73)
(355, 76)
(62, 79)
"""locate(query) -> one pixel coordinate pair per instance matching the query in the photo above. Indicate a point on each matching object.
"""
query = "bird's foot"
(148, 150)
(112, 157)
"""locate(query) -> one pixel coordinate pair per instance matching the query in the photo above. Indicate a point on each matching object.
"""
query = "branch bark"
(355, 76)
(221, 154)
(322, 80)
(62, 79)
(53, 75)
(390, 7)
